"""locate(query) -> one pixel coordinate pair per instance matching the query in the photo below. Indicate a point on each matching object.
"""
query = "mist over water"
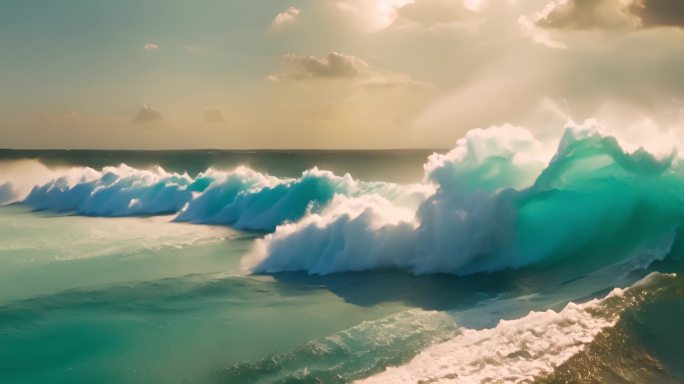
(507, 258)
(401, 166)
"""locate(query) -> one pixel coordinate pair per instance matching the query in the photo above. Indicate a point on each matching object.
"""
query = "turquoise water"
(489, 262)
(134, 300)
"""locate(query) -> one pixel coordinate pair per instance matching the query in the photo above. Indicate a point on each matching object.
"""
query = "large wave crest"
(241, 198)
(498, 204)
(500, 199)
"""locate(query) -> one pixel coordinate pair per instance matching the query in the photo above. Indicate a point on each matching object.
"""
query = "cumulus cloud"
(586, 14)
(214, 115)
(287, 17)
(147, 115)
(432, 13)
(610, 14)
(150, 47)
(348, 67)
(334, 65)
(539, 34)
(552, 26)
(659, 13)
(375, 15)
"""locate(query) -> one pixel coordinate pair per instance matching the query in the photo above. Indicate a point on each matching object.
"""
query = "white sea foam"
(265, 205)
(495, 206)
(494, 202)
(518, 350)
(18, 177)
(241, 198)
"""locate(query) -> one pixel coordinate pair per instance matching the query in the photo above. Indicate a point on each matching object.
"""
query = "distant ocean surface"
(503, 260)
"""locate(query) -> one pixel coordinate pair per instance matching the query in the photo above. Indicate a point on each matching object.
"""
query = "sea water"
(505, 259)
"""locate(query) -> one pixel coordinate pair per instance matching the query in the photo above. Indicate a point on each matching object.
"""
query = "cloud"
(433, 13)
(616, 15)
(346, 67)
(538, 34)
(151, 47)
(551, 26)
(334, 65)
(147, 115)
(371, 15)
(214, 115)
(388, 80)
(659, 13)
(586, 14)
(375, 15)
(287, 17)
(68, 117)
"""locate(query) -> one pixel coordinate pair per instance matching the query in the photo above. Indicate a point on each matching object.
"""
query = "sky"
(169, 74)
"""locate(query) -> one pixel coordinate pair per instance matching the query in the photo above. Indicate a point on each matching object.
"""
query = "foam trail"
(497, 206)
(523, 349)
(351, 353)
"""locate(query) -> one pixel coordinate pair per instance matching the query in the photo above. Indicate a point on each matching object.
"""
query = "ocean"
(506, 259)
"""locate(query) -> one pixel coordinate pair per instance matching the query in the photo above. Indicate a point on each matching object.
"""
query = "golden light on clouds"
(337, 73)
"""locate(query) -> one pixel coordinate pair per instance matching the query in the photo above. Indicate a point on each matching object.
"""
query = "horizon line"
(232, 149)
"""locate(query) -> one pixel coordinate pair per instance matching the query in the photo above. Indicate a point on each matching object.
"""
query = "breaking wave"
(265, 205)
(499, 200)
(585, 213)
(498, 204)
(241, 198)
